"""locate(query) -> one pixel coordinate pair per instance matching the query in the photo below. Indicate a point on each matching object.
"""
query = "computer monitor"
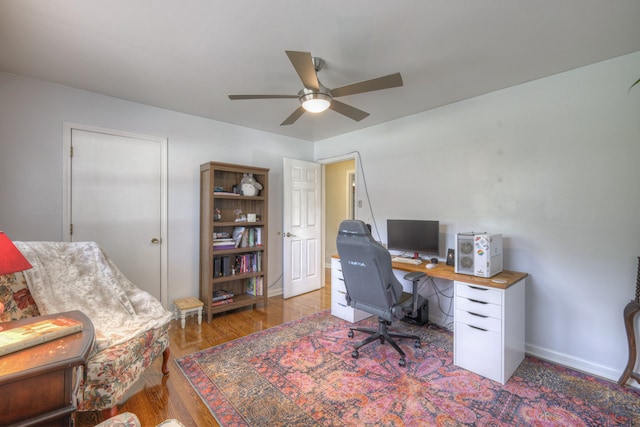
(417, 236)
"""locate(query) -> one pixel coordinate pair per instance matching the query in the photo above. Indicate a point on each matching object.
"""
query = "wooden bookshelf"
(218, 213)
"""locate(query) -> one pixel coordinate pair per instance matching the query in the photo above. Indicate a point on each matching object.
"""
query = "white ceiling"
(188, 55)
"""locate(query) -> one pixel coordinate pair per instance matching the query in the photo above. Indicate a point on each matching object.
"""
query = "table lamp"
(11, 260)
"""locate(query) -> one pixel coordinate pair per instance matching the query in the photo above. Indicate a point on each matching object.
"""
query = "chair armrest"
(414, 275)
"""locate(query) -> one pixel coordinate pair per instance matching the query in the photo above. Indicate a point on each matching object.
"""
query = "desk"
(444, 271)
(38, 384)
(489, 317)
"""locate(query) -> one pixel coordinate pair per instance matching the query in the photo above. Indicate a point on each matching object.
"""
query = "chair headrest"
(352, 227)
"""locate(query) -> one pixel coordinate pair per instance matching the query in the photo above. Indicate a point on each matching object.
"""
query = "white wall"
(32, 113)
(552, 164)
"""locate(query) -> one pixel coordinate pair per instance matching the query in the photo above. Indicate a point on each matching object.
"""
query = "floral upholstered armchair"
(65, 277)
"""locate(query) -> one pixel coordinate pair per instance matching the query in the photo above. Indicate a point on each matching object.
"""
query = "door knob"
(289, 235)
(155, 241)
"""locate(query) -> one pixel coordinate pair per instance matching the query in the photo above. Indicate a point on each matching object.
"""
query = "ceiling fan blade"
(293, 117)
(234, 97)
(303, 63)
(347, 110)
(386, 82)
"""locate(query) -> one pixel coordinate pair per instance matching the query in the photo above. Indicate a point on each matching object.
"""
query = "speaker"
(451, 256)
(422, 316)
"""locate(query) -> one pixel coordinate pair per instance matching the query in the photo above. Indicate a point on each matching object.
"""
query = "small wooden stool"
(188, 305)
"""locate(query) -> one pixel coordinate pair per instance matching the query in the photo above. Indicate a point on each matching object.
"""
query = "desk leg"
(630, 312)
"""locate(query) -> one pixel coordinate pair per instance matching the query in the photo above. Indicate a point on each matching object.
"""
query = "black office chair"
(372, 287)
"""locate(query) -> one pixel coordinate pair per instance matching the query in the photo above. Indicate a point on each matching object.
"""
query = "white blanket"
(79, 276)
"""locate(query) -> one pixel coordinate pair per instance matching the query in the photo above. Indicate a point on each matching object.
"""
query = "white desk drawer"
(477, 307)
(337, 284)
(339, 296)
(479, 293)
(479, 321)
(335, 265)
(341, 309)
(478, 351)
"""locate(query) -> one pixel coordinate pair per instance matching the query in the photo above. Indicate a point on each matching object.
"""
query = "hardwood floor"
(157, 397)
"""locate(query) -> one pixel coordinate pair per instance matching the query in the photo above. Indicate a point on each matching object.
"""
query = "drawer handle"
(480, 329)
(477, 315)
(477, 301)
(477, 288)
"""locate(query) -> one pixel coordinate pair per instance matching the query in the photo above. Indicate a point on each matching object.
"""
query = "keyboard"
(406, 260)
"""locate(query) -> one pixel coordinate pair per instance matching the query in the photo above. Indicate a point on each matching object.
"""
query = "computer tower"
(478, 254)
(421, 317)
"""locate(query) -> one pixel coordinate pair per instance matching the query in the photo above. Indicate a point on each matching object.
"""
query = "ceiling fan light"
(315, 102)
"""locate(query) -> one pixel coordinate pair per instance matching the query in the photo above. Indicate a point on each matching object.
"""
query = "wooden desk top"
(70, 350)
(444, 271)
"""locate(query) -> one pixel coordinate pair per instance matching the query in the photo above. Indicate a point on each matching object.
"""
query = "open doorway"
(340, 200)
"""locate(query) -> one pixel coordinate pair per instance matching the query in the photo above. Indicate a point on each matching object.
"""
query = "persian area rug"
(302, 374)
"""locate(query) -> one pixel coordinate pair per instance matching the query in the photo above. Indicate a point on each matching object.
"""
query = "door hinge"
(71, 229)
(71, 151)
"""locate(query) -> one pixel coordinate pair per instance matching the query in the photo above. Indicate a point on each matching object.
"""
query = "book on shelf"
(221, 294)
(251, 239)
(258, 238)
(247, 237)
(251, 286)
(244, 241)
(221, 302)
(223, 240)
(254, 286)
(254, 237)
(221, 244)
(38, 332)
(220, 192)
(248, 263)
(221, 266)
(237, 234)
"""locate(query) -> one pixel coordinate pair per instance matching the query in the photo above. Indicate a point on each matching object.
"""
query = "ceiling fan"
(315, 98)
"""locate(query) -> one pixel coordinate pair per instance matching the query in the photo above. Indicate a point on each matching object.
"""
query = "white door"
(116, 198)
(302, 228)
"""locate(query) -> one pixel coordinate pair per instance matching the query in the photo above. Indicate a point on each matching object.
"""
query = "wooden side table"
(188, 305)
(38, 384)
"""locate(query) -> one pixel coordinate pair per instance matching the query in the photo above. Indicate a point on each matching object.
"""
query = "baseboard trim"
(558, 358)
(440, 319)
(576, 363)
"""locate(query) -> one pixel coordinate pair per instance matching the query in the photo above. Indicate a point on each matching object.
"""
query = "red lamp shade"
(11, 259)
